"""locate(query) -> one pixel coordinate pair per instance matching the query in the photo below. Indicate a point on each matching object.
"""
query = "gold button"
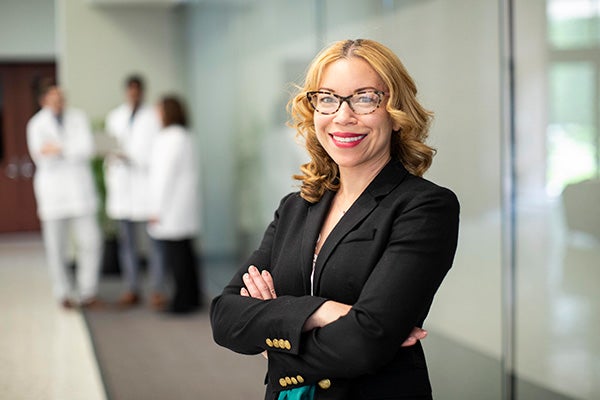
(269, 342)
(276, 343)
(287, 344)
(288, 380)
(282, 382)
(300, 378)
(325, 384)
(294, 381)
(281, 344)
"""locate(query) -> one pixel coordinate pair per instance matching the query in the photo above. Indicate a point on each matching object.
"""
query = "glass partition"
(245, 55)
(558, 192)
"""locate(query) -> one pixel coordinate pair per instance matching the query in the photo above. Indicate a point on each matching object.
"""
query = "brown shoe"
(158, 301)
(128, 299)
(92, 304)
(67, 304)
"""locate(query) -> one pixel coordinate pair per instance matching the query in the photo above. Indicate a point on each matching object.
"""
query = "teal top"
(300, 393)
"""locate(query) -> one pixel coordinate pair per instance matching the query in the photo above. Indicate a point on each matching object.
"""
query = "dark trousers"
(180, 259)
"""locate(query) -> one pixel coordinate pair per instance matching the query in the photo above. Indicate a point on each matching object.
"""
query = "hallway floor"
(45, 351)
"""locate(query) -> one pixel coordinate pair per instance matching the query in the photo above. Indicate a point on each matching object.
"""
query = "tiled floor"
(45, 352)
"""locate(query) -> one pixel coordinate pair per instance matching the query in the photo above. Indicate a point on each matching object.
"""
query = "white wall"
(99, 45)
(27, 30)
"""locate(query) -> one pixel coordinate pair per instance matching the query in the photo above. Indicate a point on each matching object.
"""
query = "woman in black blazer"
(350, 264)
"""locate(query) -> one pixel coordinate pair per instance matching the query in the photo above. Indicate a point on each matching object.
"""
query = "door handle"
(26, 168)
(12, 169)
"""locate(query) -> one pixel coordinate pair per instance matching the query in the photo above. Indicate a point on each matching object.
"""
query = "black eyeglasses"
(327, 103)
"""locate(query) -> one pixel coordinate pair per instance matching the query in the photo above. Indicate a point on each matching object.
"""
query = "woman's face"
(353, 140)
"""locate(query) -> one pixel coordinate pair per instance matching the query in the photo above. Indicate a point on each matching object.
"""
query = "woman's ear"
(396, 127)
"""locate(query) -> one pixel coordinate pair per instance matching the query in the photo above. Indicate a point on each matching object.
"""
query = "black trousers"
(180, 259)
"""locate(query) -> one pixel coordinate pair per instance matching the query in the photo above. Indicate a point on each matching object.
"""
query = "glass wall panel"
(558, 226)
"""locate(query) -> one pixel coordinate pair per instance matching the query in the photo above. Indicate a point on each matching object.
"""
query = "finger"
(260, 283)
(244, 292)
(418, 333)
(251, 286)
(269, 281)
(411, 341)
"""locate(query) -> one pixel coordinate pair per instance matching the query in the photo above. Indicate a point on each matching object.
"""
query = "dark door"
(19, 89)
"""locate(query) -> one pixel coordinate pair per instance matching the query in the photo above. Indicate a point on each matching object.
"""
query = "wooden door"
(19, 90)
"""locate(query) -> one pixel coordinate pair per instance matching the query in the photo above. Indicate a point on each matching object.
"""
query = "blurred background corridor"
(515, 87)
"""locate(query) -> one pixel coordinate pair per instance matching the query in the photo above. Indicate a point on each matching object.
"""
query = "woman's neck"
(353, 181)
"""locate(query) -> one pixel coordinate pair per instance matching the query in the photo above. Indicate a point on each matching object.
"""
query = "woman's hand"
(51, 149)
(415, 335)
(326, 314)
(259, 285)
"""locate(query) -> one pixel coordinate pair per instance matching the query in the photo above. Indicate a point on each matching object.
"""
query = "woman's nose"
(345, 114)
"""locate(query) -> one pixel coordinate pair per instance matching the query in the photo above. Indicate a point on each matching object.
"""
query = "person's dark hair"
(135, 80)
(44, 86)
(174, 112)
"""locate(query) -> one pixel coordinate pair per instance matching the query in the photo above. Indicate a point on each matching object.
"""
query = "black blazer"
(386, 257)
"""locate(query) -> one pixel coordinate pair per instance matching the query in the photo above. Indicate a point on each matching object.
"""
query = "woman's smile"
(347, 139)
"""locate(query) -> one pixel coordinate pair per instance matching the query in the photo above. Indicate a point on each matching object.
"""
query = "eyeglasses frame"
(346, 99)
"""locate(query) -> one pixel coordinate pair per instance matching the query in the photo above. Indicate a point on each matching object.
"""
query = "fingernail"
(246, 276)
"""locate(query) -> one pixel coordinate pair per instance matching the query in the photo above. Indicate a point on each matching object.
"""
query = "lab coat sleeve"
(80, 143)
(35, 139)
(163, 166)
(140, 146)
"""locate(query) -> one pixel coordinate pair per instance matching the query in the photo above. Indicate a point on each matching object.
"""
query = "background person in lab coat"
(135, 126)
(61, 145)
(174, 203)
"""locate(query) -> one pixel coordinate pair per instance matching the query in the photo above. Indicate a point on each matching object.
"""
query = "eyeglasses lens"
(329, 103)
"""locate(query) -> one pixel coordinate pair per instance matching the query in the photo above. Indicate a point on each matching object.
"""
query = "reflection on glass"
(571, 129)
(573, 23)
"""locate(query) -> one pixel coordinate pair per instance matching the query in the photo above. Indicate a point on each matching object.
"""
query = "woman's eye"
(365, 99)
(326, 99)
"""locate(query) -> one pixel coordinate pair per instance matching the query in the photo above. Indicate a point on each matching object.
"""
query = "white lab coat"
(127, 177)
(174, 185)
(63, 184)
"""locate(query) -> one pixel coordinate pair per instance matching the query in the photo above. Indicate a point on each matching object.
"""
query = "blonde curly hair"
(407, 145)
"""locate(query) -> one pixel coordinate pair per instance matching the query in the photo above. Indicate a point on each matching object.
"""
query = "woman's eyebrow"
(362, 89)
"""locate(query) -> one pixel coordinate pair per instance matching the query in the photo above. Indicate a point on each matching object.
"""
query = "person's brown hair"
(174, 112)
(407, 145)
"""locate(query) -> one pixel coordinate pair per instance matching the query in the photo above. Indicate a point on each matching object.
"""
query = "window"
(573, 132)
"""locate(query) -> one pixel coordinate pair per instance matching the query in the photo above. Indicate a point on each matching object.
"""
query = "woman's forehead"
(349, 75)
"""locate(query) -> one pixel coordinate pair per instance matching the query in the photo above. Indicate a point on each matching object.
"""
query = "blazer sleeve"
(246, 325)
(395, 298)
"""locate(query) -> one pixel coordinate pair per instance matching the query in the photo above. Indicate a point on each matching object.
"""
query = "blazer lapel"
(314, 220)
(389, 177)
